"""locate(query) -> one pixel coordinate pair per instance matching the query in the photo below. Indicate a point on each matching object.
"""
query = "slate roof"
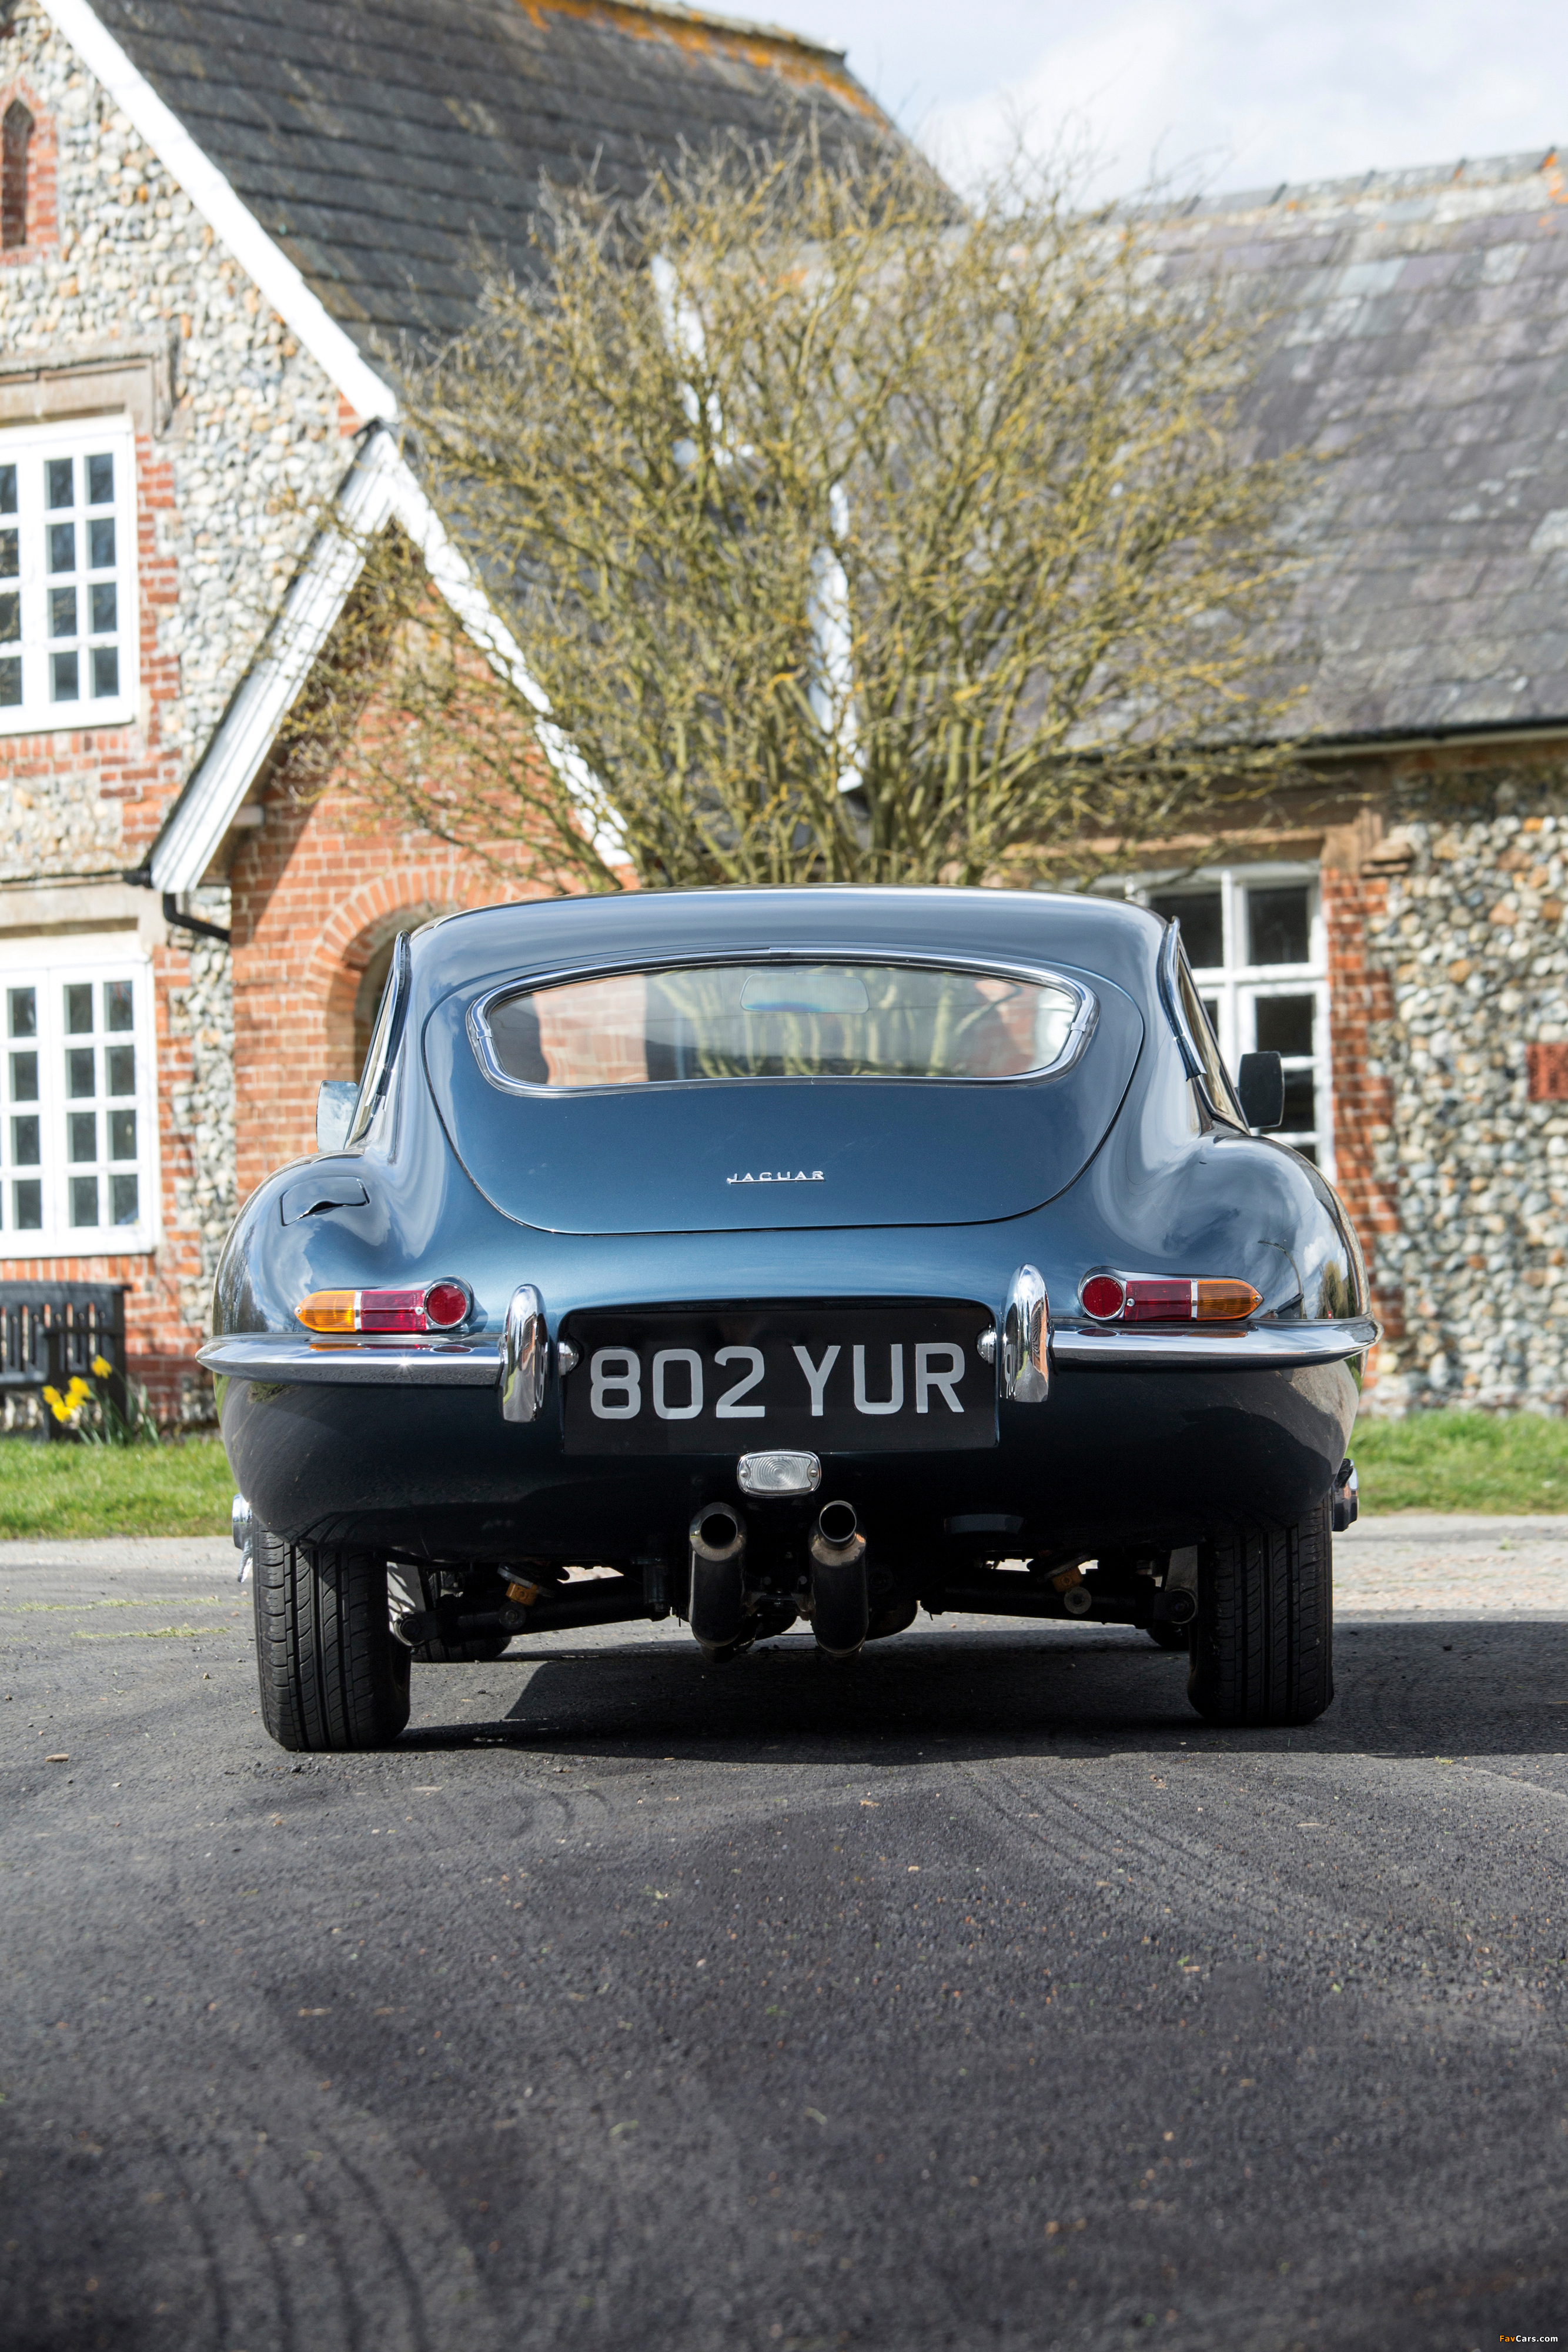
(1425, 331)
(376, 140)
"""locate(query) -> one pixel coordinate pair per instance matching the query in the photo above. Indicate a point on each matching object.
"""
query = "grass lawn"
(106, 1490)
(1433, 1462)
(1463, 1461)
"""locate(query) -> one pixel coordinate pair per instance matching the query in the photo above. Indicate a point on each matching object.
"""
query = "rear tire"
(1263, 1644)
(333, 1674)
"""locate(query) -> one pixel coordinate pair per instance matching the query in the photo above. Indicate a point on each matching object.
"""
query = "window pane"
(121, 1061)
(83, 1128)
(10, 683)
(65, 668)
(10, 554)
(783, 1020)
(62, 611)
(1301, 1099)
(1285, 1023)
(24, 1006)
(1277, 927)
(100, 536)
(105, 604)
(10, 618)
(123, 1189)
(105, 670)
(62, 547)
(24, 1142)
(1202, 925)
(28, 1206)
(24, 1077)
(78, 1072)
(100, 481)
(7, 489)
(1203, 1039)
(118, 1007)
(57, 473)
(122, 1135)
(78, 1008)
(84, 1199)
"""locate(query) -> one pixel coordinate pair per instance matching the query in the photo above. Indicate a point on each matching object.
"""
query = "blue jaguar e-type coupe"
(789, 1253)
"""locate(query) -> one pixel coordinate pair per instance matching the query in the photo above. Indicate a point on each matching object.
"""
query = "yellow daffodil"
(101, 1368)
(56, 1403)
(78, 1392)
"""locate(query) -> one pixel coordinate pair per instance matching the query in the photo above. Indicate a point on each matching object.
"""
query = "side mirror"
(335, 1111)
(1261, 1083)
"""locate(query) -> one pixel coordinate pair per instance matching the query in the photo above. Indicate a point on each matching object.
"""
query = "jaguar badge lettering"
(778, 1176)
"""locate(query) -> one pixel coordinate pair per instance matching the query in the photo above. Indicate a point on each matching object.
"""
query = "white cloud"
(1235, 93)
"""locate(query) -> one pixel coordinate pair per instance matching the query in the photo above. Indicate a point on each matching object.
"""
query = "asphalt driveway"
(976, 1995)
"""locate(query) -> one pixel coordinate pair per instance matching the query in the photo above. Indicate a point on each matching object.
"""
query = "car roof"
(532, 938)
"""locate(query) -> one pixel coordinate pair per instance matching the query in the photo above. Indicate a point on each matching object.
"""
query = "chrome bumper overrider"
(478, 1363)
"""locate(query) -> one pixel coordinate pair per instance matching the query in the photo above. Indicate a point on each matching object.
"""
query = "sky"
(1224, 94)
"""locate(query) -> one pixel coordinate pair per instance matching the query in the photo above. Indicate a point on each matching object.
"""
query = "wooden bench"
(52, 1330)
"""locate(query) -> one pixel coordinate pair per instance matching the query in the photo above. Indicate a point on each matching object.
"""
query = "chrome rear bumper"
(291, 1360)
(1258, 1346)
(400, 1363)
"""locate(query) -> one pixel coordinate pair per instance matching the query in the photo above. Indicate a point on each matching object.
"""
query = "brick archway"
(302, 941)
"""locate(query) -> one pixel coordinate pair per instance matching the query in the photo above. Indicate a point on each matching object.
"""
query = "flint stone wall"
(1475, 945)
(247, 443)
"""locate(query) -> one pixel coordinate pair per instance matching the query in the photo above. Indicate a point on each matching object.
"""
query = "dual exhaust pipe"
(841, 1601)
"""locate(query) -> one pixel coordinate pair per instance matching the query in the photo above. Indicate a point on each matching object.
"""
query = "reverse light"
(1166, 1298)
(432, 1307)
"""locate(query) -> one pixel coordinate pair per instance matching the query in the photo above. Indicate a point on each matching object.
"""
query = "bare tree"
(844, 535)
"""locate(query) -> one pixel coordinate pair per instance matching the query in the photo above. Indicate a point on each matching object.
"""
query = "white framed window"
(68, 576)
(1255, 939)
(79, 1172)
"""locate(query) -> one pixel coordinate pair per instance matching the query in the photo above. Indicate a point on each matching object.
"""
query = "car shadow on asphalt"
(1498, 1687)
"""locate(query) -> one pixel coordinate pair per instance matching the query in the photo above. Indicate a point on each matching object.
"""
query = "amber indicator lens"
(1222, 1302)
(429, 1306)
(1167, 1299)
(330, 1311)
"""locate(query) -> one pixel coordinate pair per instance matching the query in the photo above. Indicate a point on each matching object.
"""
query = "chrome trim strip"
(1026, 1339)
(525, 1355)
(297, 1362)
(1170, 997)
(1077, 1038)
(1255, 1347)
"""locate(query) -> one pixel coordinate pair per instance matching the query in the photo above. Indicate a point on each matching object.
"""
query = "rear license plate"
(823, 1379)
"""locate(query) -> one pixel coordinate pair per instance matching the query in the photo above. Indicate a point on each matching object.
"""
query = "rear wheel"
(333, 1674)
(1262, 1643)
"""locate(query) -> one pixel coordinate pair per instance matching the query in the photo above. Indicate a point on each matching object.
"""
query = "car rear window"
(780, 1020)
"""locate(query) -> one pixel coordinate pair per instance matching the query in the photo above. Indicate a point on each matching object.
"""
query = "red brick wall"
(1361, 995)
(315, 892)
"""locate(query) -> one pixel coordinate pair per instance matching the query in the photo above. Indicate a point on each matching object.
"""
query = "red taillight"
(1166, 1298)
(446, 1304)
(1104, 1297)
(1154, 1298)
(432, 1307)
